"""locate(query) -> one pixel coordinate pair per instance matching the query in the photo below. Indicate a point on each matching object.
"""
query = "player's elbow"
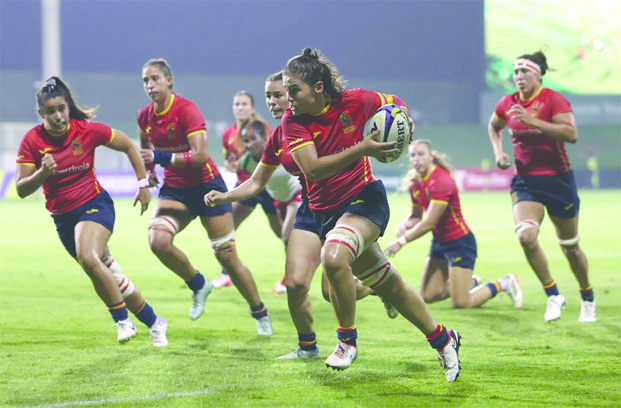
(200, 158)
(572, 136)
(22, 192)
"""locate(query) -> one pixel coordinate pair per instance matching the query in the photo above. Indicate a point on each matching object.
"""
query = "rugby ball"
(393, 125)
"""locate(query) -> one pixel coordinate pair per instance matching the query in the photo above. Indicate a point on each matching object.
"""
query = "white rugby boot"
(556, 303)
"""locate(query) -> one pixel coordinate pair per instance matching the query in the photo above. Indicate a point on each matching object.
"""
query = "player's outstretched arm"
(248, 189)
(122, 143)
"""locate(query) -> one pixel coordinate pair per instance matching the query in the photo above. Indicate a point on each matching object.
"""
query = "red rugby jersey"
(276, 153)
(536, 153)
(339, 126)
(440, 186)
(73, 183)
(169, 131)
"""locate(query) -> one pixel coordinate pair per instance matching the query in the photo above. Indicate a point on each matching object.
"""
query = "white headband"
(523, 63)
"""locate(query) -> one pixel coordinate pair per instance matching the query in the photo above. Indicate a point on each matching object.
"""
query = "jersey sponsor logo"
(347, 123)
(457, 259)
(278, 153)
(91, 211)
(76, 147)
(356, 202)
(298, 140)
(567, 207)
(45, 150)
(20, 156)
(72, 169)
(148, 129)
(315, 134)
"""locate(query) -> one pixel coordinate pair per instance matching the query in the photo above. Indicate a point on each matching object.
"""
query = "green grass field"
(58, 346)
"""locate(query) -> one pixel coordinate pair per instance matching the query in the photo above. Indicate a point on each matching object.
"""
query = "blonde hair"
(439, 159)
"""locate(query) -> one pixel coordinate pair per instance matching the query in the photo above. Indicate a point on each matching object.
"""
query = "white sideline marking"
(126, 399)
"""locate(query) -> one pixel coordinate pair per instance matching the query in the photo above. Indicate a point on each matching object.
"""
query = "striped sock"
(196, 283)
(494, 287)
(146, 314)
(307, 341)
(118, 311)
(347, 335)
(587, 294)
(551, 289)
(439, 338)
(258, 311)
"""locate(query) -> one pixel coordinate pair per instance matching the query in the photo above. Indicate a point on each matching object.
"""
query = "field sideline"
(58, 348)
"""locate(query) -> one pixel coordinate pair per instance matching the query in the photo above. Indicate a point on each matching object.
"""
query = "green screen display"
(581, 40)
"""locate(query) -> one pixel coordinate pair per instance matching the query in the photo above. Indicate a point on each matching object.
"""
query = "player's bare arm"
(562, 128)
(122, 143)
(29, 179)
(494, 129)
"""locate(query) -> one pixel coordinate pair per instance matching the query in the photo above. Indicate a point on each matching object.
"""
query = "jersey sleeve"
(372, 101)
(103, 134)
(440, 189)
(296, 135)
(501, 108)
(25, 155)
(192, 119)
(559, 104)
(272, 150)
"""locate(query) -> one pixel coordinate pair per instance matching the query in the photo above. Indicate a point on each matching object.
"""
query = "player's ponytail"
(312, 66)
(55, 87)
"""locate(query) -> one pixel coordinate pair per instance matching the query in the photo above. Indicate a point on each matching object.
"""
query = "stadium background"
(450, 60)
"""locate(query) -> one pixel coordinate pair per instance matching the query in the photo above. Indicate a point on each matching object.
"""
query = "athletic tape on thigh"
(164, 223)
(349, 236)
(570, 242)
(524, 225)
(225, 243)
(377, 274)
(125, 284)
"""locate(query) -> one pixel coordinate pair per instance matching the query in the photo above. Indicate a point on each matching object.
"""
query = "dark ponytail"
(55, 87)
(312, 66)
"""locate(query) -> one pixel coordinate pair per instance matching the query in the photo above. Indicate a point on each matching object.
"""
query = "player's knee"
(460, 303)
(333, 261)
(223, 245)
(161, 233)
(88, 261)
(527, 232)
(379, 273)
(570, 247)
(348, 238)
(298, 287)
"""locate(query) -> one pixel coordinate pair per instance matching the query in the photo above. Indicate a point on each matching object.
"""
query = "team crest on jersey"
(76, 147)
(348, 124)
(147, 129)
(172, 130)
(535, 109)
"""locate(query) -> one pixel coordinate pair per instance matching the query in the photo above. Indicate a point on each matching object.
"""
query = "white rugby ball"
(394, 126)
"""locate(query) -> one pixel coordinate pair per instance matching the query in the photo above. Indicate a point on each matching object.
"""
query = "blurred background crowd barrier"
(450, 61)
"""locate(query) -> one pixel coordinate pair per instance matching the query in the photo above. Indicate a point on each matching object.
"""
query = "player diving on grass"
(453, 247)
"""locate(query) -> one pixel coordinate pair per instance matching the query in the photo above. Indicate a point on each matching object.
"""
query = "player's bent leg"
(91, 239)
(411, 306)
(528, 216)
(170, 218)
(461, 279)
(568, 239)
(434, 281)
(222, 240)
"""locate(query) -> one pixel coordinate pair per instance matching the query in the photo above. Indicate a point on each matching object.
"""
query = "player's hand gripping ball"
(394, 126)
